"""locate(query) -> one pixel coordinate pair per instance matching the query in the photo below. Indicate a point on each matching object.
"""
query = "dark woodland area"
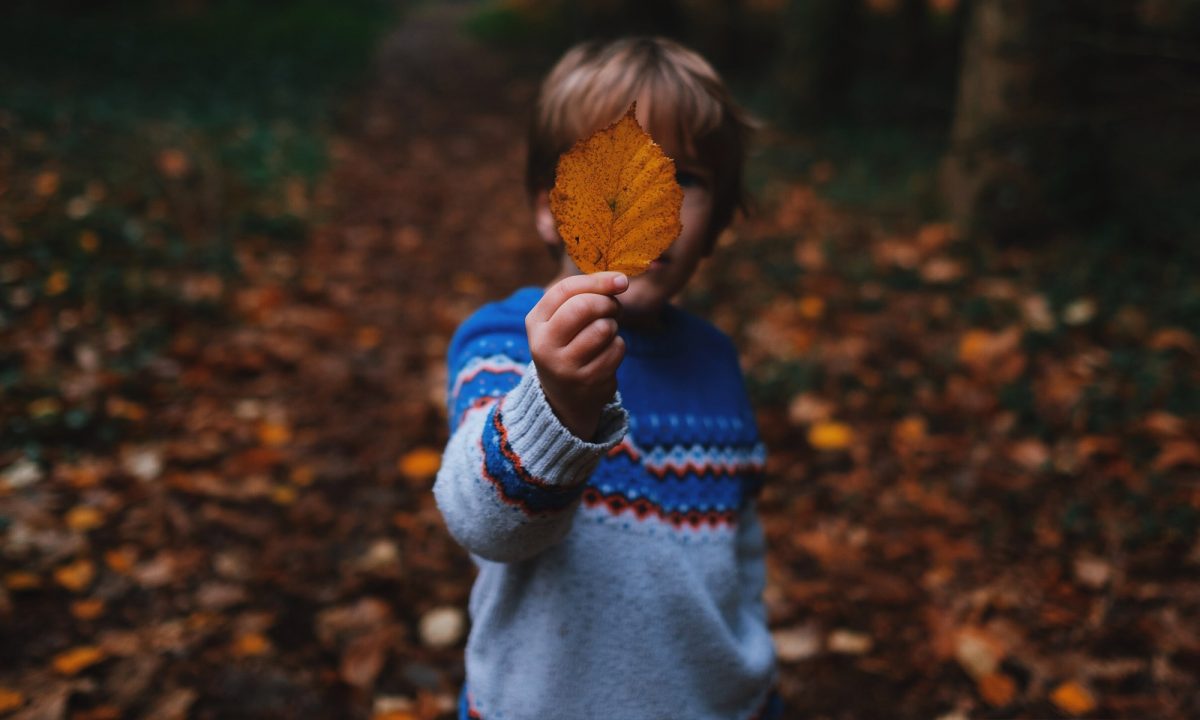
(236, 237)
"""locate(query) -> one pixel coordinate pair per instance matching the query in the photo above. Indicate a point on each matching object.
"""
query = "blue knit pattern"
(516, 486)
(693, 455)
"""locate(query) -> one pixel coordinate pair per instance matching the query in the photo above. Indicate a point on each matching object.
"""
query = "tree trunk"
(986, 178)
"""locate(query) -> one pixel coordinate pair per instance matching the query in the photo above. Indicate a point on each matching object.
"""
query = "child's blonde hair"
(595, 82)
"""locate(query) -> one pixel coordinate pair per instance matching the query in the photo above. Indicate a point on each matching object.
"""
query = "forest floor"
(978, 504)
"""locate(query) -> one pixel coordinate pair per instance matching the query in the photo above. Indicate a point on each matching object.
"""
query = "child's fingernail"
(620, 282)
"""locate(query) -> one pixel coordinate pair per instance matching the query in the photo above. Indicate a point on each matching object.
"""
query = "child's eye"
(686, 178)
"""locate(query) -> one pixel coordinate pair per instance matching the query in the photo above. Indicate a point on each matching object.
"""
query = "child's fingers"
(604, 283)
(590, 341)
(576, 315)
(605, 364)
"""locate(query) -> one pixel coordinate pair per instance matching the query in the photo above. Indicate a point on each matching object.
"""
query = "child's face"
(649, 292)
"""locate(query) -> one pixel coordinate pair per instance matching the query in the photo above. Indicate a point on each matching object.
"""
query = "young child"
(620, 554)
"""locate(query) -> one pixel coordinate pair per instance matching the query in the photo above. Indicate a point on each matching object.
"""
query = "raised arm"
(526, 441)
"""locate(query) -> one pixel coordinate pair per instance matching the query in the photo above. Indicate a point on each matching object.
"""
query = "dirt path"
(428, 220)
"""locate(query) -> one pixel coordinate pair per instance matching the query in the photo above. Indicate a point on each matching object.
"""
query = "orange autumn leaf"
(830, 436)
(10, 700)
(75, 660)
(57, 283)
(89, 241)
(302, 475)
(274, 434)
(911, 430)
(84, 518)
(420, 463)
(76, 576)
(173, 163)
(615, 199)
(89, 609)
(997, 689)
(121, 560)
(368, 337)
(21, 580)
(251, 644)
(46, 183)
(283, 495)
(1073, 698)
(812, 307)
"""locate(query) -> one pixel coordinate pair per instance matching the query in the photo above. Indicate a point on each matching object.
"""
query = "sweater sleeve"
(512, 474)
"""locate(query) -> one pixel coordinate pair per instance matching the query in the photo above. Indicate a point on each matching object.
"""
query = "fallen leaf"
(615, 199)
(75, 660)
(811, 307)
(57, 283)
(46, 183)
(274, 434)
(144, 463)
(89, 609)
(1173, 338)
(367, 615)
(830, 436)
(21, 580)
(368, 338)
(22, 473)
(100, 712)
(1093, 572)
(250, 644)
(76, 576)
(978, 651)
(363, 659)
(173, 705)
(173, 163)
(1030, 454)
(442, 627)
(1073, 698)
(302, 475)
(283, 495)
(797, 643)
(121, 560)
(807, 408)
(848, 642)
(420, 464)
(940, 270)
(89, 241)
(997, 689)
(911, 430)
(10, 700)
(1079, 312)
(1176, 453)
(84, 518)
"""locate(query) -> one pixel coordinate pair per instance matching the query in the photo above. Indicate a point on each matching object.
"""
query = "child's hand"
(573, 339)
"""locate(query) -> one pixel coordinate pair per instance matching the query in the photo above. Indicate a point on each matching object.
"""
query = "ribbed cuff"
(550, 452)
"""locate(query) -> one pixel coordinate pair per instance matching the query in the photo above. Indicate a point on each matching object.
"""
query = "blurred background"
(235, 238)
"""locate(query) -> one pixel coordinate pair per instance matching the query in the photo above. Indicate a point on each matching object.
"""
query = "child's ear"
(547, 229)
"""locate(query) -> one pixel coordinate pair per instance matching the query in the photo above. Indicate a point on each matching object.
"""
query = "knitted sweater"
(619, 578)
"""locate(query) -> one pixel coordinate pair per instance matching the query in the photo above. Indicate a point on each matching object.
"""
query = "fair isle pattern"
(696, 487)
(488, 378)
(502, 467)
(679, 460)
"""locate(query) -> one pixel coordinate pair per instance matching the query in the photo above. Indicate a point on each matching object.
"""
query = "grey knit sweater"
(619, 578)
